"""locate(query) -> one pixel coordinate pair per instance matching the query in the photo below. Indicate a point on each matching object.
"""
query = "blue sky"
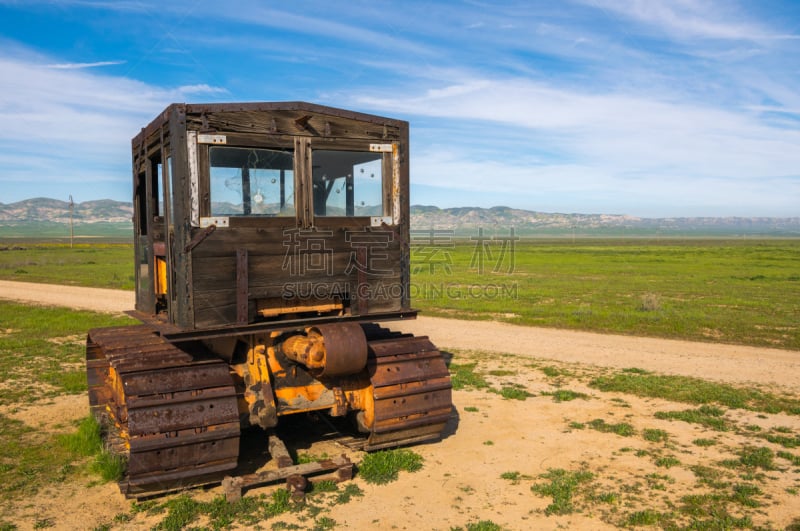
(643, 107)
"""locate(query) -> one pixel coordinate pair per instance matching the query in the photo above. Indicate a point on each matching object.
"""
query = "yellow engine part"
(277, 385)
(161, 275)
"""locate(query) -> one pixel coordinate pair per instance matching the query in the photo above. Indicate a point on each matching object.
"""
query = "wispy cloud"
(691, 18)
(78, 66)
(323, 27)
(619, 144)
(695, 18)
(74, 123)
(109, 5)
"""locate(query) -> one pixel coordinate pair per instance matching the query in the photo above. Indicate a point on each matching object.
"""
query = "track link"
(411, 389)
(172, 414)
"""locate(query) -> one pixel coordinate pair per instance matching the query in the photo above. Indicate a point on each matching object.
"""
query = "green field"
(102, 265)
(733, 291)
(52, 231)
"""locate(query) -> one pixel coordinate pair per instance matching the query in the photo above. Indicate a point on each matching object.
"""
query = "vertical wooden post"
(242, 287)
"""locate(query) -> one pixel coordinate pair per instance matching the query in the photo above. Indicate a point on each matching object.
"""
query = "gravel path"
(731, 363)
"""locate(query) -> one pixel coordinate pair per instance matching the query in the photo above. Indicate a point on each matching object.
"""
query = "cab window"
(347, 183)
(251, 182)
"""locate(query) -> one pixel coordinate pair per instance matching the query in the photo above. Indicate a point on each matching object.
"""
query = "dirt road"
(731, 363)
(465, 478)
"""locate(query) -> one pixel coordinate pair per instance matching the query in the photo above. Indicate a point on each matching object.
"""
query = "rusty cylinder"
(338, 349)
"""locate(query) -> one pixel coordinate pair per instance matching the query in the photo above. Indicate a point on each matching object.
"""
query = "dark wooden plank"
(242, 281)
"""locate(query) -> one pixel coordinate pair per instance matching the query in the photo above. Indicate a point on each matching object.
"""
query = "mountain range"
(54, 210)
(460, 220)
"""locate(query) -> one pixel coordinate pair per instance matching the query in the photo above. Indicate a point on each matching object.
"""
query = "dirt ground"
(489, 435)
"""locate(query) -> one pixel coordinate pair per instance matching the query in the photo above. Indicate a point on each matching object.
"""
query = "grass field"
(41, 357)
(102, 265)
(734, 291)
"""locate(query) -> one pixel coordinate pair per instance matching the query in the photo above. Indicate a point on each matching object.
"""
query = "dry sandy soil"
(488, 435)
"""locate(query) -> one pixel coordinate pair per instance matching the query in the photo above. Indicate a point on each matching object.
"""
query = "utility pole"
(71, 210)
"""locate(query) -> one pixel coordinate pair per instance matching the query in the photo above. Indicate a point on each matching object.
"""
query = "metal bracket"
(199, 237)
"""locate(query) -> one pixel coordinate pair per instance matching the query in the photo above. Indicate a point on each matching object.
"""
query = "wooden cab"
(251, 214)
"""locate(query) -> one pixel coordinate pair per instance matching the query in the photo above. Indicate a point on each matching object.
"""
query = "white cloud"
(689, 18)
(76, 66)
(73, 124)
(608, 144)
(356, 30)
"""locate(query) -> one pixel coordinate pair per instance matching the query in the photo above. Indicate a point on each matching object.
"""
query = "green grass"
(502, 372)
(466, 376)
(31, 459)
(555, 372)
(708, 416)
(655, 435)
(561, 486)
(97, 264)
(482, 525)
(793, 459)
(110, 467)
(42, 350)
(463, 376)
(27, 459)
(184, 511)
(50, 232)
(384, 466)
(712, 511)
(350, 491)
(622, 429)
(709, 476)
(42, 356)
(787, 441)
(695, 391)
(757, 457)
(727, 494)
(565, 395)
(513, 393)
(647, 517)
(736, 291)
(86, 440)
(667, 462)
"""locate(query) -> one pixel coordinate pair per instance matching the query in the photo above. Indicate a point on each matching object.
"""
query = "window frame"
(302, 150)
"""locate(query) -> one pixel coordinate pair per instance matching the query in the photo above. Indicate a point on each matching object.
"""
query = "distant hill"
(526, 222)
(47, 216)
(44, 209)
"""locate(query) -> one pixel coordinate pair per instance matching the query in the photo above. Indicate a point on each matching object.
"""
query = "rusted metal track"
(172, 414)
(411, 389)
(171, 410)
